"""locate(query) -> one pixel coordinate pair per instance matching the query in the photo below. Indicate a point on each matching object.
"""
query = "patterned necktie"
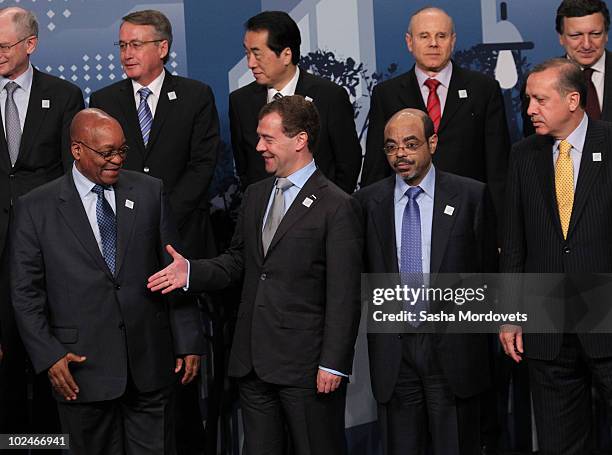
(11, 122)
(592, 102)
(107, 223)
(145, 118)
(276, 213)
(411, 265)
(433, 102)
(564, 185)
(277, 96)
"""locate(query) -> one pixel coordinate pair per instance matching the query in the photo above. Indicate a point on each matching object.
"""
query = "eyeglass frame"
(6, 48)
(107, 156)
(406, 147)
(135, 44)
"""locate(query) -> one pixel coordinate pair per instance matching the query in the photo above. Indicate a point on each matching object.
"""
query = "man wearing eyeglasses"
(172, 129)
(82, 248)
(36, 110)
(423, 220)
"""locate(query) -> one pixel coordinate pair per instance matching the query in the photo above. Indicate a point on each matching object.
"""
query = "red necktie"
(592, 101)
(433, 102)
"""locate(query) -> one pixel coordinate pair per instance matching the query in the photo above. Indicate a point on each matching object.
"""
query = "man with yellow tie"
(559, 197)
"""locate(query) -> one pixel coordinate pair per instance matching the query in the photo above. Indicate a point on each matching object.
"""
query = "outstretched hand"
(172, 277)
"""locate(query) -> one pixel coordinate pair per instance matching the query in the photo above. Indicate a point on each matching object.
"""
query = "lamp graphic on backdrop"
(504, 37)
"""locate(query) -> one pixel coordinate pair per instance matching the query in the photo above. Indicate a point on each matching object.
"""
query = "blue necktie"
(145, 118)
(411, 267)
(107, 223)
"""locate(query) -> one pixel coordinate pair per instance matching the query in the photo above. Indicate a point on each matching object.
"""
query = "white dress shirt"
(443, 77)
(288, 89)
(155, 86)
(576, 139)
(21, 95)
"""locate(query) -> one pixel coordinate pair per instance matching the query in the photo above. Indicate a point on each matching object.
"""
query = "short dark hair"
(298, 115)
(428, 126)
(580, 8)
(158, 20)
(283, 32)
(571, 77)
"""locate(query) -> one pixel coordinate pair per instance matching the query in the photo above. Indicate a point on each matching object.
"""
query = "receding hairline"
(88, 121)
(428, 9)
(416, 113)
(22, 19)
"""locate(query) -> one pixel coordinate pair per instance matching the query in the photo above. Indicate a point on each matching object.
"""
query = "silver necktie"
(12, 125)
(276, 213)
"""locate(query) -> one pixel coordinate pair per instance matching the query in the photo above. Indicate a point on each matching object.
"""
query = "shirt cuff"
(329, 370)
(186, 287)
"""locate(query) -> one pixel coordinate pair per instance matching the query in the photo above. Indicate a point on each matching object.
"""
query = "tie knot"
(11, 87)
(144, 93)
(413, 192)
(588, 72)
(564, 148)
(282, 183)
(99, 189)
(432, 84)
(277, 96)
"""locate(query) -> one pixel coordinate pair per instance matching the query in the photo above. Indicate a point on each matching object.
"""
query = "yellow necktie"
(564, 185)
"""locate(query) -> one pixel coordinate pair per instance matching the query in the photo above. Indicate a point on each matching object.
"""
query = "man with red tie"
(466, 107)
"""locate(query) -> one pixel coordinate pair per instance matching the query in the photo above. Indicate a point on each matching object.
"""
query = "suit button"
(263, 277)
(121, 326)
(117, 287)
(399, 336)
(566, 250)
(11, 176)
(146, 169)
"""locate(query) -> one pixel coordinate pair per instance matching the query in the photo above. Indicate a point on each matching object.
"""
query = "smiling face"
(584, 38)
(412, 157)
(105, 135)
(14, 62)
(144, 64)
(431, 40)
(282, 155)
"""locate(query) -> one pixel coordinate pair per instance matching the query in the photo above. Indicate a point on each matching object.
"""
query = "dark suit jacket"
(473, 134)
(300, 303)
(463, 242)
(606, 109)
(67, 300)
(182, 149)
(44, 151)
(338, 152)
(533, 241)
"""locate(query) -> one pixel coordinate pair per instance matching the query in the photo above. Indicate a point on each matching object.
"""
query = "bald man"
(112, 350)
(427, 386)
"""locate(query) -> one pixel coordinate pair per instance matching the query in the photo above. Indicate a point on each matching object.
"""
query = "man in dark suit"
(557, 222)
(272, 44)
(83, 246)
(36, 111)
(172, 129)
(466, 108)
(298, 246)
(426, 384)
(583, 27)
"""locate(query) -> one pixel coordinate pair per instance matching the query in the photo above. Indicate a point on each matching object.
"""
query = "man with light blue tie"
(419, 221)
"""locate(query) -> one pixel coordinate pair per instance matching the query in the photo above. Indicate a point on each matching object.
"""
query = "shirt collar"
(24, 80)
(600, 65)
(576, 137)
(443, 76)
(155, 86)
(427, 185)
(301, 176)
(82, 183)
(288, 89)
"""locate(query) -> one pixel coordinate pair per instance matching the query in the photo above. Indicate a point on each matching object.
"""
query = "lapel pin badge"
(307, 98)
(129, 204)
(307, 202)
(46, 104)
(597, 156)
(462, 93)
(449, 210)
(171, 95)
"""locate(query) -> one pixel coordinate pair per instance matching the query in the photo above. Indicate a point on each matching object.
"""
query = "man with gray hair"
(36, 111)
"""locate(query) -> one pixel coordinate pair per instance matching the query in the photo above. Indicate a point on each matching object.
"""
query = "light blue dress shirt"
(426, 204)
(576, 138)
(21, 95)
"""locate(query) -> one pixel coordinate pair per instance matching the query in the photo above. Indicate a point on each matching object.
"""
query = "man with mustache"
(422, 220)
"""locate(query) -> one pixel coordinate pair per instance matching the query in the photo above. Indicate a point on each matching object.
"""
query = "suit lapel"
(442, 223)
(5, 160)
(34, 117)
(453, 102)
(125, 219)
(259, 98)
(589, 170)
(311, 189)
(73, 212)
(410, 94)
(164, 107)
(130, 114)
(383, 217)
(546, 177)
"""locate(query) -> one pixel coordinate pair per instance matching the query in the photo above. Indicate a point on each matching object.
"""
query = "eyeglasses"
(6, 48)
(136, 44)
(110, 154)
(392, 149)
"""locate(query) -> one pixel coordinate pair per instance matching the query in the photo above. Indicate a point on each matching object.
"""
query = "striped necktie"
(145, 118)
